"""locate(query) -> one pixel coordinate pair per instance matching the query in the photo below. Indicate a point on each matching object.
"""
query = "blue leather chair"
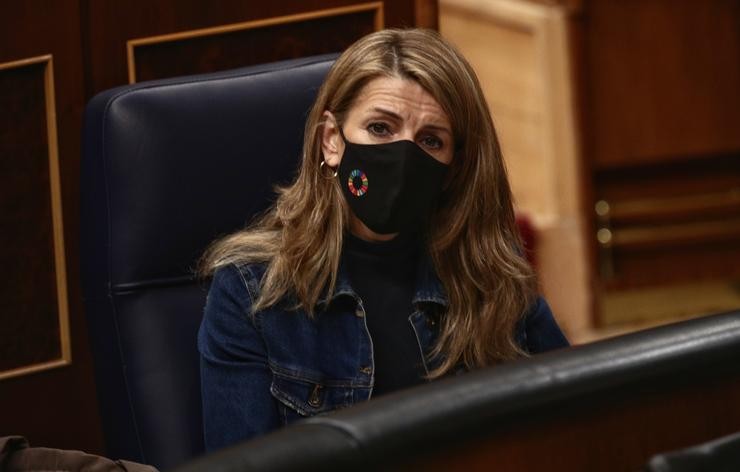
(168, 166)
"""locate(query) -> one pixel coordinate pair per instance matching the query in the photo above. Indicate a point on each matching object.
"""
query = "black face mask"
(391, 187)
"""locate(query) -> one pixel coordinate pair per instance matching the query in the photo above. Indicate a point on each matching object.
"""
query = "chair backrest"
(167, 167)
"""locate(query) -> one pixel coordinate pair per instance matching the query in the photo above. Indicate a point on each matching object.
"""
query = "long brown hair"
(473, 242)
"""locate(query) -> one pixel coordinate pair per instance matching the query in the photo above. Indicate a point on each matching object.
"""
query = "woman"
(393, 258)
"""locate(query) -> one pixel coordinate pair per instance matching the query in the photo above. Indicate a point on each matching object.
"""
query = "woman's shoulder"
(540, 328)
(240, 275)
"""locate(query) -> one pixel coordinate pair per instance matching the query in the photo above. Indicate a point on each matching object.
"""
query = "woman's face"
(389, 109)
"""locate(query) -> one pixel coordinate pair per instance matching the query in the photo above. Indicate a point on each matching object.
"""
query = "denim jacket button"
(366, 370)
(315, 398)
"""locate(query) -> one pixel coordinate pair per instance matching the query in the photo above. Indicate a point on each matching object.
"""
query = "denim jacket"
(265, 370)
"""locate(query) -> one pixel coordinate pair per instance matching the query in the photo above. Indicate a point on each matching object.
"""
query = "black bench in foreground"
(605, 406)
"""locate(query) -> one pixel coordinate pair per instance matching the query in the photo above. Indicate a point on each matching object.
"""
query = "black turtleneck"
(383, 274)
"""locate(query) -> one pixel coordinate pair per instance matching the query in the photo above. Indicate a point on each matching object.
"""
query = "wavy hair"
(472, 240)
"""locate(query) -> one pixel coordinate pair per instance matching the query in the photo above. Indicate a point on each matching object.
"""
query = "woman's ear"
(332, 144)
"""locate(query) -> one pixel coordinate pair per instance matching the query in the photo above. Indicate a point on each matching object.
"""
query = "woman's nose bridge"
(407, 132)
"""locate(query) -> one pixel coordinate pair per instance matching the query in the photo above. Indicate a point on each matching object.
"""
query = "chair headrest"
(195, 156)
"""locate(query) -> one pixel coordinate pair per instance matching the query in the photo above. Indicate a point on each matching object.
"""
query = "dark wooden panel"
(618, 431)
(685, 263)
(659, 112)
(673, 222)
(662, 79)
(55, 408)
(426, 14)
(109, 25)
(255, 44)
(701, 174)
(28, 298)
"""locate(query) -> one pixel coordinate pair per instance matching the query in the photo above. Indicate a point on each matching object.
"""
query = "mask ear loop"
(341, 133)
(323, 172)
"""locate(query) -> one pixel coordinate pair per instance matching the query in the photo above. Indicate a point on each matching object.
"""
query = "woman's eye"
(432, 142)
(378, 129)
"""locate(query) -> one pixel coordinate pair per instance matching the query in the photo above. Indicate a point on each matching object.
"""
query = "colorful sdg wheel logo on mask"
(357, 183)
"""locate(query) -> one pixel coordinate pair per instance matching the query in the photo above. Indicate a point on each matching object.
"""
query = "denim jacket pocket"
(303, 397)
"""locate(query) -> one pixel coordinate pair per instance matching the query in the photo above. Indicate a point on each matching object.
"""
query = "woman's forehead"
(403, 97)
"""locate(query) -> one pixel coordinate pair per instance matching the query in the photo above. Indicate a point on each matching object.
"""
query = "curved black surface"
(719, 455)
(398, 426)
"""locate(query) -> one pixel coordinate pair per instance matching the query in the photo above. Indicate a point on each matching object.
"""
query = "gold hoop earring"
(323, 173)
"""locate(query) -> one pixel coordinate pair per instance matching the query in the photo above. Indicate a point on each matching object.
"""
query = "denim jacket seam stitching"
(345, 292)
(430, 299)
(245, 282)
(288, 401)
(251, 315)
(292, 375)
(418, 340)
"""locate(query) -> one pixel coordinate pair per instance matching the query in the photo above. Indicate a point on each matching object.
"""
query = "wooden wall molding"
(57, 219)
(131, 45)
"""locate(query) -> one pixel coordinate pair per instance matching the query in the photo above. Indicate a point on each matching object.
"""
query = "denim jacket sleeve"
(541, 331)
(235, 377)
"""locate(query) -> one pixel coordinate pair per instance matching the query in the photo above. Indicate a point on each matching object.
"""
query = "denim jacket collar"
(429, 288)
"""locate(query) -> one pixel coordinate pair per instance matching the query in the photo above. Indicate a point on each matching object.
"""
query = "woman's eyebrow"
(385, 111)
(439, 128)
(396, 116)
